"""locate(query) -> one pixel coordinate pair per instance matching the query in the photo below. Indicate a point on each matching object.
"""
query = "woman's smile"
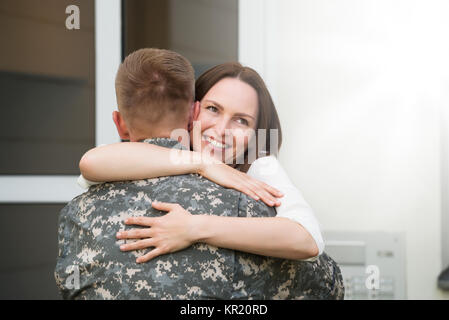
(215, 143)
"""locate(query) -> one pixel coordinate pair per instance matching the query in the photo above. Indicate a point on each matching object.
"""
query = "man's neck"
(142, 137)
(149, 136)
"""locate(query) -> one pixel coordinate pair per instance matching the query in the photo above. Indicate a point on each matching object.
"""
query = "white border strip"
(258, 30)
(252, 35)
(444, 179)
(38, 189)
(108, 42)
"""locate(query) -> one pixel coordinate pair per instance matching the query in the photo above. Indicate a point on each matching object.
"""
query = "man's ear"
(196, 110)
(120, 124)
(193, 114)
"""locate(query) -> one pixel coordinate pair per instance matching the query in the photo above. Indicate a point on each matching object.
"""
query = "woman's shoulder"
(265, 166)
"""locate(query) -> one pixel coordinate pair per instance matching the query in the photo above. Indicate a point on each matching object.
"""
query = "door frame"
(258, 24)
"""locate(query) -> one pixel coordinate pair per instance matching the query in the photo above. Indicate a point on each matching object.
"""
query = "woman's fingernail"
(122, 247)
(119, 234)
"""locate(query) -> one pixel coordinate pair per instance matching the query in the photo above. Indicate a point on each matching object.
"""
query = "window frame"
(108, 56)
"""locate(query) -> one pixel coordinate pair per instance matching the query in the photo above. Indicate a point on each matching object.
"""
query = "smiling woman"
(237, 116)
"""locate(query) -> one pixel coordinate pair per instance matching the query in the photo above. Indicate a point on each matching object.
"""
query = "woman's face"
(228, 116)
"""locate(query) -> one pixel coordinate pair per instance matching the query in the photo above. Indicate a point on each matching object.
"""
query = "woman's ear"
(120, 124)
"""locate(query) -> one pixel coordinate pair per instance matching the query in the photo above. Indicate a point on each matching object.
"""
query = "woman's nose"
(221, 126)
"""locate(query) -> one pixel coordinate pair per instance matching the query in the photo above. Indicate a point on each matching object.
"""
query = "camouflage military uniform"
(87, 242)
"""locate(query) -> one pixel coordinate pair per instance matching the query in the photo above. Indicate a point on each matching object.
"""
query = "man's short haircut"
(154, 84)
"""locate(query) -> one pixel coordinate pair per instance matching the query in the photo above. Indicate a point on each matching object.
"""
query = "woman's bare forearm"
(136, 160)
(274, 236)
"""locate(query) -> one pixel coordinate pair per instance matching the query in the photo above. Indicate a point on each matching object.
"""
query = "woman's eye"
(242, 121)
(212, 108)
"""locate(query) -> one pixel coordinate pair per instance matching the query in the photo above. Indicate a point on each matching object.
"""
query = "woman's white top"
(293, 206)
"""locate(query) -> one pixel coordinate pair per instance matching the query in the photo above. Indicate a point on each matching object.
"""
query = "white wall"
(107, 61)
(357, 84)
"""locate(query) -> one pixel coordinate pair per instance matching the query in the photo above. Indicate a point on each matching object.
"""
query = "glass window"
(47, 75)
(205, 32)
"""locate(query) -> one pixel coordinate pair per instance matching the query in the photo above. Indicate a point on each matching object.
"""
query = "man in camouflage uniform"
(90, 264)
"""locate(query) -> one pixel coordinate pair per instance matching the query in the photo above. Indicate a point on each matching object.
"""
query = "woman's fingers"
(266, 195)
(150, 221)
(248, 191)
(258, 193)
(150, 255)
(267, 198)
(135, 234)
(275, 192)
(141, 244)
(164, 206)
(141, 221)
(261, 193)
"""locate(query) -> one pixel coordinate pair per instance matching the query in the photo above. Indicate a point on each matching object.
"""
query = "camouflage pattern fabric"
(87, 245)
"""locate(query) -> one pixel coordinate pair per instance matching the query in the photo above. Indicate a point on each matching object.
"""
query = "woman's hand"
(229, 177)
(169, 233)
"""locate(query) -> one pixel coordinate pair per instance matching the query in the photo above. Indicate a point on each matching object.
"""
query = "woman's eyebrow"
(245, 115)
(237, 114)
(215, 103)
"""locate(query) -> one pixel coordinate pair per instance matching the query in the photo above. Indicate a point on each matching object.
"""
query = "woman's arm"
(137, 160)
(178, 229)
(294, 207)
(274, 237)
(293, 234)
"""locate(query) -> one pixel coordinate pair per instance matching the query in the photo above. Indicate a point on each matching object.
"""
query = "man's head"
(155, 91)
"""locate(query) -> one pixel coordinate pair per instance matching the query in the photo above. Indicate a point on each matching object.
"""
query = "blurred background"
(361, 87)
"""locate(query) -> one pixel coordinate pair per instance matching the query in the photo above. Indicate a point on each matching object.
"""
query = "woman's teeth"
(216, 143)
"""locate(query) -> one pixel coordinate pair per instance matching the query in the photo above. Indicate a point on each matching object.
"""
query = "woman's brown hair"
(267, 116)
